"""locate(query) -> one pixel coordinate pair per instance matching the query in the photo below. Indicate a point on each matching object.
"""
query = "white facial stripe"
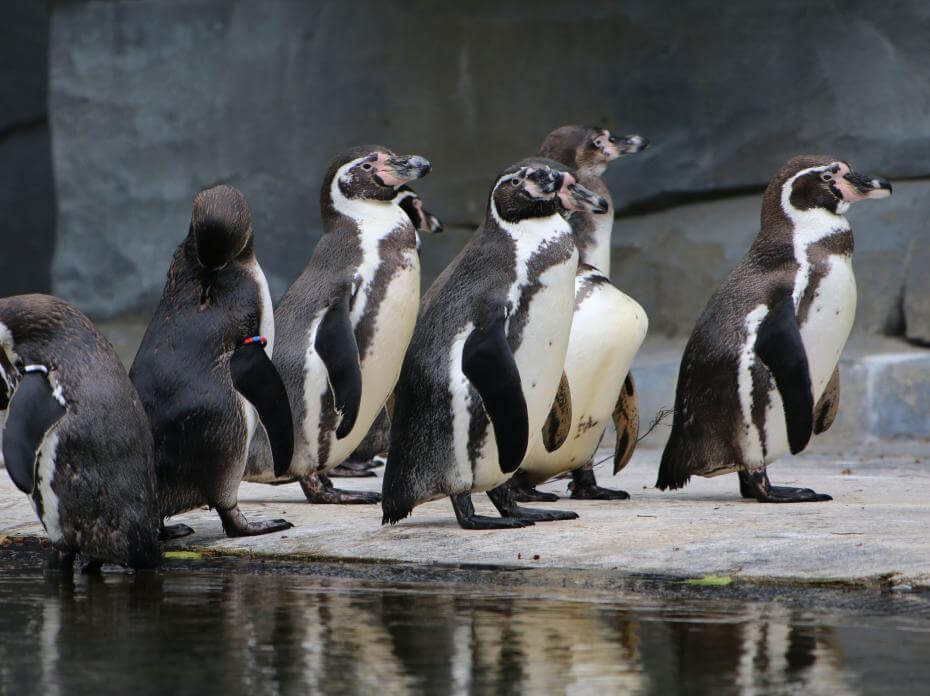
(343, 175)
(810, 226)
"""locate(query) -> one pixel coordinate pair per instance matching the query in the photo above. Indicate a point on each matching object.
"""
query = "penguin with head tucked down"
(203, 370)
(343, 326)
(74, 435)
(372, 451)
(759, 375)
(607, 329)
(486, 358)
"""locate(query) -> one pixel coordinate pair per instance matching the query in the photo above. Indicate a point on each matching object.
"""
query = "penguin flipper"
(559, 421)
(32, 411)
(828, 405)
(779, 346)
(336, 346)
(488, 363)
(256, 378)
(626, 422)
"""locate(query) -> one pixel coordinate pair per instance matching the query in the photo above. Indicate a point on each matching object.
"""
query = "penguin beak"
(8, 380)
(433, 223)
(857, 187)
(628, 144)
(397, 170)
(428, 221)
(575, 197)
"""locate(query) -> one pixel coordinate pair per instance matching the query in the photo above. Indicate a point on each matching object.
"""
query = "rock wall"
(27, 187)
(151, 101)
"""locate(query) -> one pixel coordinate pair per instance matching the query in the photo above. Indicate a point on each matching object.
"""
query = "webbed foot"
(757, 485)
(319, 489)
(584, 487)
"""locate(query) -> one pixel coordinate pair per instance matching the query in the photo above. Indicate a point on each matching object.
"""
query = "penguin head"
(537, 187)
(810, 182)
(9, 374)
(588, 149)
(371, 173)
(422, 219)
(221, 226)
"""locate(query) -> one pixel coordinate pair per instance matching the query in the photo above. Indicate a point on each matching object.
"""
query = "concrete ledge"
(874, 532)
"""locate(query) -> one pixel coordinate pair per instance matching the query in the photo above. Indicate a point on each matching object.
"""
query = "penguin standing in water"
(203, 371)
(372, 451)
(74, 435)
(485, 362)
(344, 325)
(607, 329)
(759, 375)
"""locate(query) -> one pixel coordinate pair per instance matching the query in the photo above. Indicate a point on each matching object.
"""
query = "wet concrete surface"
(874, 533)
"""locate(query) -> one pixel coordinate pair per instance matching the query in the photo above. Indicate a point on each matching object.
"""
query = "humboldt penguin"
(486, 359)
(607, 331)
(759, 374)
(75, 437)
(343, 326)
(203, 370)
(372, 451)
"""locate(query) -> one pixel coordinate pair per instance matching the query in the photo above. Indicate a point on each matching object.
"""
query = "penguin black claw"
(503, 500)
(757, 485)
(319, 489)
(174, 531)
(524, 491)
(236, 525)
(356, 469)
(467, 519)
(584, 486)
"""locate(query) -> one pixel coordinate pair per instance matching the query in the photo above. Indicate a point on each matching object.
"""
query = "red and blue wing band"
(255, 339)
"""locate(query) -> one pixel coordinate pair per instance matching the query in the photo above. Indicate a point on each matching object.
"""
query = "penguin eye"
(826, 177)
(515, 181)
(366, 166)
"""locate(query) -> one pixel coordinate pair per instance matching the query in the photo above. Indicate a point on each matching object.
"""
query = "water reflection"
(282, 634)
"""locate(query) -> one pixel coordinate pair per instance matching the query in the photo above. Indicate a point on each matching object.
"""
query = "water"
(202, 630)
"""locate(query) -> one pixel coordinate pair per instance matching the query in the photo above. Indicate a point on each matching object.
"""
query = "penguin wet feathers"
(485, 361)
(203, 370)
(74, 435)
(607, 330)
(344, 324)
(759, 376)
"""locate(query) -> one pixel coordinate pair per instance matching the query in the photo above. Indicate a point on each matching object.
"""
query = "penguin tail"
(675, 469)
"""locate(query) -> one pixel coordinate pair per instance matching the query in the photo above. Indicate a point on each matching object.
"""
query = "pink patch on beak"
(386, 172)
(565, 196)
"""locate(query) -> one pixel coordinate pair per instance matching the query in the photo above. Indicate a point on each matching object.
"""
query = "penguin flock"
(504, 374)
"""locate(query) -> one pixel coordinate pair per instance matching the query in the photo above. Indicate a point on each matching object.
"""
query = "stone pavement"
(875, 532)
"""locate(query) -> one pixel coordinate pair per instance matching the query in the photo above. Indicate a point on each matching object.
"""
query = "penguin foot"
(356, 469)
(467, 519)
(584, 487)
(757, 485)
(173, 531)
(60, 562)
(319, 489)
(92, 567)
(525, 492)
(503, 500)
(236, 525)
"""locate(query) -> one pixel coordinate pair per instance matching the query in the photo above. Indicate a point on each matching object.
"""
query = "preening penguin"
(372, 451)
(343, 326)
(74, 435)
(759, 375)
(607, 329)
(486, 358)
(203, 370)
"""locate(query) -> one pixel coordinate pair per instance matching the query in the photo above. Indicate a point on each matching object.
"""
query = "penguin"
(203, 370)
(75, 437)
(485, 362)
(343, 326)
(607, 330)
(759, 374)
(372, 452)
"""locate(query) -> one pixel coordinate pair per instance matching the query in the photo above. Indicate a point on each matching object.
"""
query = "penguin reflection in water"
(344, 325)
(486, 358)
(75, 437)
(607, 329)
(759, 375)
(203, 371)
(372, 451)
